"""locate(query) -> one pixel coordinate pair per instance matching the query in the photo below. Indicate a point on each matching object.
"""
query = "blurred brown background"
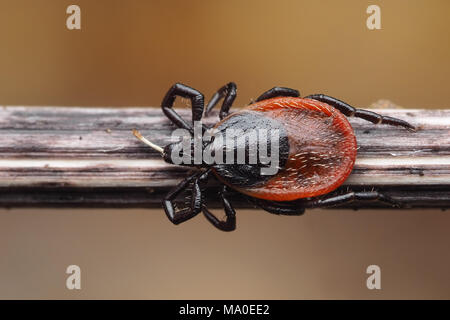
(129, 52)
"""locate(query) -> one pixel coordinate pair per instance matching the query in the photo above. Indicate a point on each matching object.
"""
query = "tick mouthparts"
(138, 135)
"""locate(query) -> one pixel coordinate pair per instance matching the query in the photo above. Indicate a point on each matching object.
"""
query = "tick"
(316, 153)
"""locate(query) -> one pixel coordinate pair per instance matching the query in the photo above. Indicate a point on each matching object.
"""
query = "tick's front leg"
(175, 215)
(184, 91)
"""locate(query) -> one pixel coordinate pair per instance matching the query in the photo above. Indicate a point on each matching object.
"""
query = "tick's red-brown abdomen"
(322, 149)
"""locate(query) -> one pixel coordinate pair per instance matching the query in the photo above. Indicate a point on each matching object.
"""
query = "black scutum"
(249, 175)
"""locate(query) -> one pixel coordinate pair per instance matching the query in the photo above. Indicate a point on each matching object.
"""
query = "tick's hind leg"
(230, 221)
(350, 111)
(184, 91)
(228, 93)
(350, 196)
(278, 92)
(297, 207)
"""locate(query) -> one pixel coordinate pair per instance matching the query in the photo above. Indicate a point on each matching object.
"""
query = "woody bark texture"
(88, 157)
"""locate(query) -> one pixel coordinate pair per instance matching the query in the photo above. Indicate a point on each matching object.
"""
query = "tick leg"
(278, 92)
(230, 221)
(184, 91)
(180, 215)
(228, 93)
(297, 207)
(351, 196)
(289, 208)
(350, 111)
